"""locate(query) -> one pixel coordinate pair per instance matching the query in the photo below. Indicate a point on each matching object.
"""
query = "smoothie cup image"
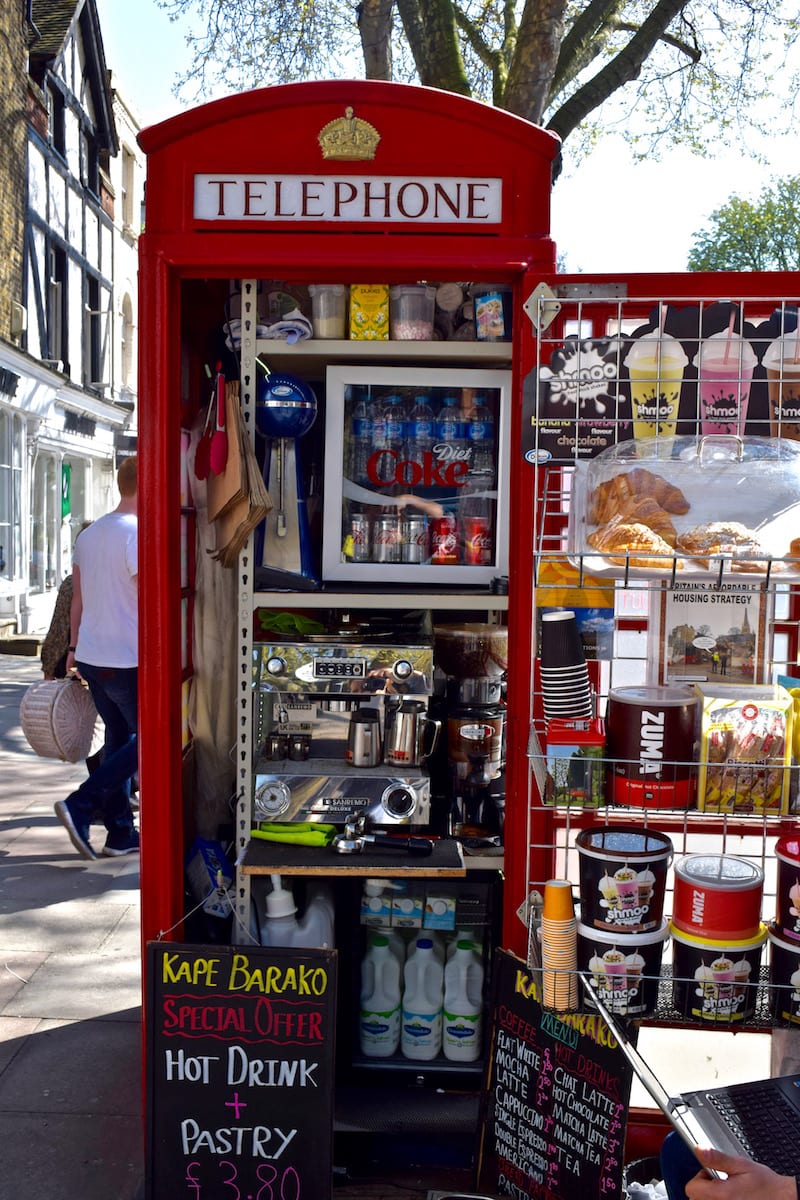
(615, 969)
(782, 364)
(645, 882)
(627, 887)
(705, 978)
(794, 980)
(655, 366)
(725, 363)
(608, 890)
(722, 973)
(634, 969)
(794, 898)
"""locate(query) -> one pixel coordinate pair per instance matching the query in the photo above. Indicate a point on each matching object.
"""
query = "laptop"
(759, 1120)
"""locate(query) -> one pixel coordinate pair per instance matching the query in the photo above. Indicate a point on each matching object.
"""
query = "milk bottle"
(421, 1026)
(463, 997)
(379, 1013)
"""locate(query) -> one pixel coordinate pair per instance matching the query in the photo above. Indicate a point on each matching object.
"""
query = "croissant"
(623, 541)
(647, 511)
(794, 548)
(616, 496)
(646, 483)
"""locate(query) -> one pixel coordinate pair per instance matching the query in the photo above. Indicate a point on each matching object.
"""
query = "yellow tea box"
(745, 748)
(369, 312)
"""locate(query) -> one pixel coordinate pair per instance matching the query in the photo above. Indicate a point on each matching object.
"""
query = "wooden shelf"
(314, 355)
(459, 601)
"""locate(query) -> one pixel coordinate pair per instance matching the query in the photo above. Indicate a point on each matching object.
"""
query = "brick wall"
(13, 160)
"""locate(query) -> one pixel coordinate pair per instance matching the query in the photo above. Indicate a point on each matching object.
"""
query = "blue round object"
(286, 407)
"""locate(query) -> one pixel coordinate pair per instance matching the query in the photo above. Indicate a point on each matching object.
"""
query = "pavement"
(71, 1100)
(71, 1076)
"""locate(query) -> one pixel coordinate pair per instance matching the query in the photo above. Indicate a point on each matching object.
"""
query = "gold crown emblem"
(348, 138)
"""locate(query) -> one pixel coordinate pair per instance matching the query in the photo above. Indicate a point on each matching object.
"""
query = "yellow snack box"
(369, 312)
(745, 748)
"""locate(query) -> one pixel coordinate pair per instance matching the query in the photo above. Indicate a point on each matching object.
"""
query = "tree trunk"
(530, 76)
(430, 26)
(375, 29)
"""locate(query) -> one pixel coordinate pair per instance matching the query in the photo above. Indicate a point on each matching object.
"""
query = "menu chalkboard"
(239, 1072)
(557, 1097)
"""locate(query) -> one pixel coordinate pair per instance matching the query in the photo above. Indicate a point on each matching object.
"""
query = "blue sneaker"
(77, 828)
(121, 843)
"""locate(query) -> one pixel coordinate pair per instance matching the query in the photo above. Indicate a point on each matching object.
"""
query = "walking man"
(104, 649)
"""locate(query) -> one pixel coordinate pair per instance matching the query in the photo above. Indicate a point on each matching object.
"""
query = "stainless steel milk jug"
(410, 730)
(364, 738)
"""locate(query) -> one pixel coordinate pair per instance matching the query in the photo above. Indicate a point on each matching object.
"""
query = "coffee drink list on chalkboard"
(556, 1100)
(239, 1072)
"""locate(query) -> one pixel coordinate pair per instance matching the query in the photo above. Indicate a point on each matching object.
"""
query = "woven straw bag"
(59, 719)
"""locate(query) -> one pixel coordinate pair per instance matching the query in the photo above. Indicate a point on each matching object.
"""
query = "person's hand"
(70, 667)
(747, 1180)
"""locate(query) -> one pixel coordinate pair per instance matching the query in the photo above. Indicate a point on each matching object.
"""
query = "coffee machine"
(473, 659)
(342, 723)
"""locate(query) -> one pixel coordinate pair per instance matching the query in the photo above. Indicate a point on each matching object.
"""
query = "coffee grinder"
(473, 659)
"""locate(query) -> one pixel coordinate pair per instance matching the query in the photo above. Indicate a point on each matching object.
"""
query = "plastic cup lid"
(784, 350)
(663, 348)
(713, 350)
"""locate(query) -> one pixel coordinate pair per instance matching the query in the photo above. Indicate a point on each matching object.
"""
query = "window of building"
(90, 165)
(97, 329)
(128, 168)
(45, 522)
(11, 450)
(127, 347)
(57, 120)
(57, 307)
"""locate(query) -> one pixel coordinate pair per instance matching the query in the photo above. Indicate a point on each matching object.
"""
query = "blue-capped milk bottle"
(423, 992)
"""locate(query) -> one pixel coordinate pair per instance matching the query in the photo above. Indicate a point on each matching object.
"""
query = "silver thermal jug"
(364, 738)
(412, 736)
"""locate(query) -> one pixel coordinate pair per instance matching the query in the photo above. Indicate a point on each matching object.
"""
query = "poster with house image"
(713, 632)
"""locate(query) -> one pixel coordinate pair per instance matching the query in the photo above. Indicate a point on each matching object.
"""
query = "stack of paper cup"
(566, 690)
(559, 947)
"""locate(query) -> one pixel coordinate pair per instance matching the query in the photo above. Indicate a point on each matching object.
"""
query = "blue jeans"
(678, 1165)
(108, 789)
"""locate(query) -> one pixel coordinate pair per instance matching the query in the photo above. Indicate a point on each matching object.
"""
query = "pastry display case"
(700, 507)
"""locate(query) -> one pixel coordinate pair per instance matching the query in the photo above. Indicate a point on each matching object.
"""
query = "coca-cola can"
(386, 540)
(478, 541)
(414, 539)
(359, 536)
(444, 540)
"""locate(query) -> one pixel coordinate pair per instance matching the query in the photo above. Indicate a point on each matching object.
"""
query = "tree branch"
(624, 67)
(583, 42)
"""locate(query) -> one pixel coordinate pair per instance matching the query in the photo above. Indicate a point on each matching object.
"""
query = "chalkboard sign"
(557, 1097)
(239, 1070)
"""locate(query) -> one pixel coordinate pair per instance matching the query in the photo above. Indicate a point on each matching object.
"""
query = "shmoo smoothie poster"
(595, 392)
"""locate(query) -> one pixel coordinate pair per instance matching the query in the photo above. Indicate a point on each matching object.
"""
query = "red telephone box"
(331, 182)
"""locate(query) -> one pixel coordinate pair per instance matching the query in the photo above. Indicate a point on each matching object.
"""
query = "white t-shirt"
(106, 554)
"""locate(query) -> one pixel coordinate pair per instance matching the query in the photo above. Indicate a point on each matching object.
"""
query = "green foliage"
(747, 235)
